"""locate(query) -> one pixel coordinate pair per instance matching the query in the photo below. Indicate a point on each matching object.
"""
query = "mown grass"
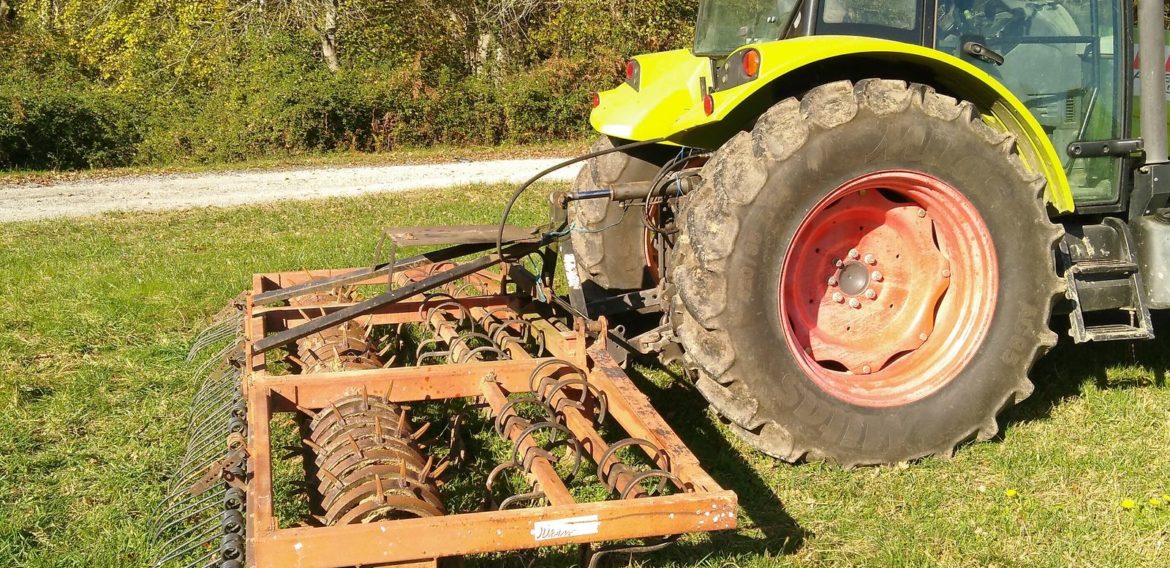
(96, 316)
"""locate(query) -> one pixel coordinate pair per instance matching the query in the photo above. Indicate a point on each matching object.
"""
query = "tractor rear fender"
(668, 99)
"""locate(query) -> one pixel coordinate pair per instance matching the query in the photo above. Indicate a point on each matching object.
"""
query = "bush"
(54, 125)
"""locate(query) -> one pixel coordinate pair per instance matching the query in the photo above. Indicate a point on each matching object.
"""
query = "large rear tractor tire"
(608, 239)
(865, 277)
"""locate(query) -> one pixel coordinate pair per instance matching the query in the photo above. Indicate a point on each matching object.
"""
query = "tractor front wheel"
(866, 277)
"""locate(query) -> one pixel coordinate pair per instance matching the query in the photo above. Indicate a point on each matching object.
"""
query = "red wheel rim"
(888, 288)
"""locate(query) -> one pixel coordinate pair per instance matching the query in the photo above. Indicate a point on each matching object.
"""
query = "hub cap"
(888, 288)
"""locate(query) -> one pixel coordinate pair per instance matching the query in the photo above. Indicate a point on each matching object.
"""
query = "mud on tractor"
(853, 221)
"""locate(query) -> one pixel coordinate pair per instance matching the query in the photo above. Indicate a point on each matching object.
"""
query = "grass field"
(96, 317)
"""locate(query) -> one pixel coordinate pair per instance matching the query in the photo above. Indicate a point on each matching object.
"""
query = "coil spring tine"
(504, 417)
(533, 429)
(596, 558)
(587, 391)
(182, 514)
(531, 498)
(464, 314)
(535, 374)
(199, 539)
(423, 312)
(434, 341)
(604, 474)
(214, 333)
(205, 560)
(484, 349)
(639, 479)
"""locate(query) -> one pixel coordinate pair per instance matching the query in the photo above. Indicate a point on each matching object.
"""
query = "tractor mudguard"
(667, 101)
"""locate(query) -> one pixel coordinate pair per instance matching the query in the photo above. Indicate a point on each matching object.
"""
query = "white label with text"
(565, 528)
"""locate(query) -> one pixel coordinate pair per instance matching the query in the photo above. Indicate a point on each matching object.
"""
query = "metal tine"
(201, 538)
(215, 334)
(205, 560)
(218, 357)
(207, 403)
(208, 501)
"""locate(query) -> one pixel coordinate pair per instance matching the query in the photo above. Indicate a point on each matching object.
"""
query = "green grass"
(96, 316)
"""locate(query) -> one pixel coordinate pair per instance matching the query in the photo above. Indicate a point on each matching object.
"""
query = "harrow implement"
(355, 357)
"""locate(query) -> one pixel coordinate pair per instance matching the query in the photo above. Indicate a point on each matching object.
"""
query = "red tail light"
(631, 69)
(751, 63)
(709, 105)
(595, 99)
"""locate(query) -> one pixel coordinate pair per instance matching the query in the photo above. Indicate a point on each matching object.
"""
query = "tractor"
(876, 207)
(855, 222)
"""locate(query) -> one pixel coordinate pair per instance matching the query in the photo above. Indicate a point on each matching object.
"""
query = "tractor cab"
(1065, 60)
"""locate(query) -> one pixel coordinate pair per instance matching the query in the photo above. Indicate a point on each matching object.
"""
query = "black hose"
(524, 187)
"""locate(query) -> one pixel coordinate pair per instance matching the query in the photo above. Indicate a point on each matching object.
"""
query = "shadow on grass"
(685, 410)
(1062, 374)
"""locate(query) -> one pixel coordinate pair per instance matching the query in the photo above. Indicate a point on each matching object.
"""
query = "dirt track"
(154, 193)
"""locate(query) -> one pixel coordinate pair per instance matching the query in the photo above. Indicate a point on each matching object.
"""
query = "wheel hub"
(865, 281)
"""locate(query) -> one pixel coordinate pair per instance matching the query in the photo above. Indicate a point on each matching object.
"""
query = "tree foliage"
(211, 80)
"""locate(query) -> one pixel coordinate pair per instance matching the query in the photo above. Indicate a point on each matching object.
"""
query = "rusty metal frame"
(702, 506)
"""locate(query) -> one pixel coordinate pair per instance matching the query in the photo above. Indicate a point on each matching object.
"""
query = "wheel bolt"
(870, 294)
(870, 259)
(838, 262)
(876, 276)
(854, 303)
(946, 273)
(837, 297)
(833, 281)
(865, 370)
(853, 254)
(921, 212)
(923, 336)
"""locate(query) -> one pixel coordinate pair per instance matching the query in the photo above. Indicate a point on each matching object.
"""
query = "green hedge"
(56, 125)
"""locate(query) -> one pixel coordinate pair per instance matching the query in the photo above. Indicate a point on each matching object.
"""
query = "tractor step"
(1104, 283)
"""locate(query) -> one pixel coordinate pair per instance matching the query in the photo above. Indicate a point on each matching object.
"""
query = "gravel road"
(154, 193)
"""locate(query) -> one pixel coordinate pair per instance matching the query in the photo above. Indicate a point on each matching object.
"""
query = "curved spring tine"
(533, 429)
(531, 498)
(535, 374)
(423, 313)
(205, 560)
(432, 342)
(200, 539)
(503, 418)
(464, 315)
(181, 515)
(500, 355)
(587, 390)
(214, 334)
(596, 558)
(603, 473)
(641, 478)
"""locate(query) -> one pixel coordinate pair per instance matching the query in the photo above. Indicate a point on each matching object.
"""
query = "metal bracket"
(229, 468)
(1105, 148)
(1151, 188)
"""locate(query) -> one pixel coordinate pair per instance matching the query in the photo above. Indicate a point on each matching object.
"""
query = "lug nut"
(870, 294)
(853, 254)
(946, 273)
(923, 336)
(870, 259)
(921, 212)
(838, 262)
(854, 303)
(837, 297)
(876, 276)
(865, 370)
(833, 281)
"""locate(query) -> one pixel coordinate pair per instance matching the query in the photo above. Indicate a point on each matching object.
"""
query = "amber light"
(709, 105)
(751, 63)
